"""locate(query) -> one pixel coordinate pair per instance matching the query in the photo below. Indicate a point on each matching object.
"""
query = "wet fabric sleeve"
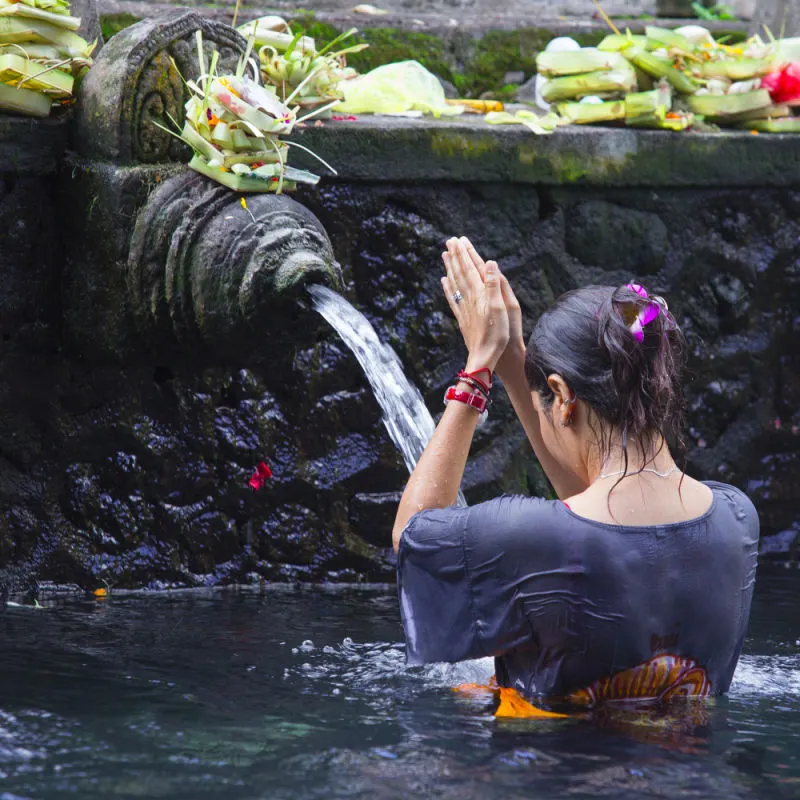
(448, 565)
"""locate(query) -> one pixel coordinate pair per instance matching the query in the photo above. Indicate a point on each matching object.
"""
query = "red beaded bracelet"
(476, 385)
(474, 376)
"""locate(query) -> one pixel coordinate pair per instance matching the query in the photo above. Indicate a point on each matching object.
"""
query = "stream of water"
(407, 419)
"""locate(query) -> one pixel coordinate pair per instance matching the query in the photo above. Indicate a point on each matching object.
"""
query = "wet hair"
(634, 389)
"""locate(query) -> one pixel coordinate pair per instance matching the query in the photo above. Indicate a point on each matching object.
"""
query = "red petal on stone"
(261, 473)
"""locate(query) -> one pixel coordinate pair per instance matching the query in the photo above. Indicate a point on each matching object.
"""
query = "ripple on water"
(378, 668)
(304, 695)
(766, 676)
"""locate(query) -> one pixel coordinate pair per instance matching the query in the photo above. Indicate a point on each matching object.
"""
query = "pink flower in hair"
(646, 314)
(638, 289)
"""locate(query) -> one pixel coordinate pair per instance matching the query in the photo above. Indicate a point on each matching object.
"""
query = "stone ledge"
(437, 21)
(33, 146)
(396, 149)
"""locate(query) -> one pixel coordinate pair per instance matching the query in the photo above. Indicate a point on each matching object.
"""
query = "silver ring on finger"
(457, 297)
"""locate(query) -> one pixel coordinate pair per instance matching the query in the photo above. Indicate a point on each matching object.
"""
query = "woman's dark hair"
(634, 388)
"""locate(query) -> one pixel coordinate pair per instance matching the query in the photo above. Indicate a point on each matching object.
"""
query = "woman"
(638, 581)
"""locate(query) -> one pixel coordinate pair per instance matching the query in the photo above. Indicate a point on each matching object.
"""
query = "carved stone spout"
(158, 257)
(205, 268)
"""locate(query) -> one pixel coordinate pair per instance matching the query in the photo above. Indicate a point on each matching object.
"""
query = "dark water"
(216, 695)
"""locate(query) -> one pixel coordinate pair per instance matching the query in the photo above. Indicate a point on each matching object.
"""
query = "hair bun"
(641, 312)
(621, 352)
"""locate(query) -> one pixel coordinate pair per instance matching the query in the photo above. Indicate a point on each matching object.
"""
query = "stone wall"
(545, 9)
(727, 259)
(131, 466)
(781, 16)
(479, 47)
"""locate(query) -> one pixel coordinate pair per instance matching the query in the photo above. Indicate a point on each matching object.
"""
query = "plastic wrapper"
(540, 125)
(396, 89)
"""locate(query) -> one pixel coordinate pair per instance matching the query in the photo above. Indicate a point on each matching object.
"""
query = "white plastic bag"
(395, 89)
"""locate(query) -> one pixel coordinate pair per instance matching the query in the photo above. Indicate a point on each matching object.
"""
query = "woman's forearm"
(476, 300)
(437, 476)
(512, 373)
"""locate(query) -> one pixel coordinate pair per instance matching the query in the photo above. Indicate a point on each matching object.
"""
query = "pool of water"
(291, 694)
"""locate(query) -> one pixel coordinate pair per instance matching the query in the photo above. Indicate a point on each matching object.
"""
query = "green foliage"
(721, 11)
(114, 23)
(390, 44)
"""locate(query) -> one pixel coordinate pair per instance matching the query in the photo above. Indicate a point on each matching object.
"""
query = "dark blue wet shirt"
(574, 608)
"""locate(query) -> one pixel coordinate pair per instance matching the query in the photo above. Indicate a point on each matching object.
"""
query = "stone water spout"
(204, 268)
(161, 256)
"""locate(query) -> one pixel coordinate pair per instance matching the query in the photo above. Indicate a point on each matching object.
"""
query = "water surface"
(304, 694)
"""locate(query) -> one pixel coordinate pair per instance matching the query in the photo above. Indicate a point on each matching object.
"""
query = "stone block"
(372, 516)
(615, 237)
(782, 17)
(33, 146)
(134, 83)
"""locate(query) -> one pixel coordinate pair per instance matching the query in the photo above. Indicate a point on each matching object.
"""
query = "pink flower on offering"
(784, 84)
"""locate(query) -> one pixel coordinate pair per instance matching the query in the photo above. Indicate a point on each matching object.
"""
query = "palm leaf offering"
(292, 61)
(671, 79)
(41, 56)
(234, 125)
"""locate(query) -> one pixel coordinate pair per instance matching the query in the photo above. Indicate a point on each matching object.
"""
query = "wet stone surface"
(136, 473)
(726, 260)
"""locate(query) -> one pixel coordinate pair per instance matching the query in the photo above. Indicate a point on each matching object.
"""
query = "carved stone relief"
(135, 85)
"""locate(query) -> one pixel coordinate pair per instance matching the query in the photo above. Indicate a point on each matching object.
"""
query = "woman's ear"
(563, 401)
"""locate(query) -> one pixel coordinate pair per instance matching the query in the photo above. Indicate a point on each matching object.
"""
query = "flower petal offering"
(233, 125)
(673, 80)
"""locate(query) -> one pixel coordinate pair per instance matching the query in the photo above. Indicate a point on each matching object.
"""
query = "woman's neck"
(652, 460)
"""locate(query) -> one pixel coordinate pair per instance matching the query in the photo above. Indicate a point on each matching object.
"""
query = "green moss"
(570, 167)
(321, 32)
(388, 44)
(114, 23)
(385, 46)
(448, 143)
(497, 53)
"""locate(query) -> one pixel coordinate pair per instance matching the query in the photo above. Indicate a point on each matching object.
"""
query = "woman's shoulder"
(518, 507)
(731, 495)
(507, 513)
(729, 499)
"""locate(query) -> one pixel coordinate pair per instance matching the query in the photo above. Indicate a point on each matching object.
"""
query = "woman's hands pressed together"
(475, 296)
(461, 251)
(464, 268)
(476, 299)
(490, 320)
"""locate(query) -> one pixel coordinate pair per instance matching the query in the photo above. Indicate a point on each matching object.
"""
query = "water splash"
(766, 676)
(407, 419)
